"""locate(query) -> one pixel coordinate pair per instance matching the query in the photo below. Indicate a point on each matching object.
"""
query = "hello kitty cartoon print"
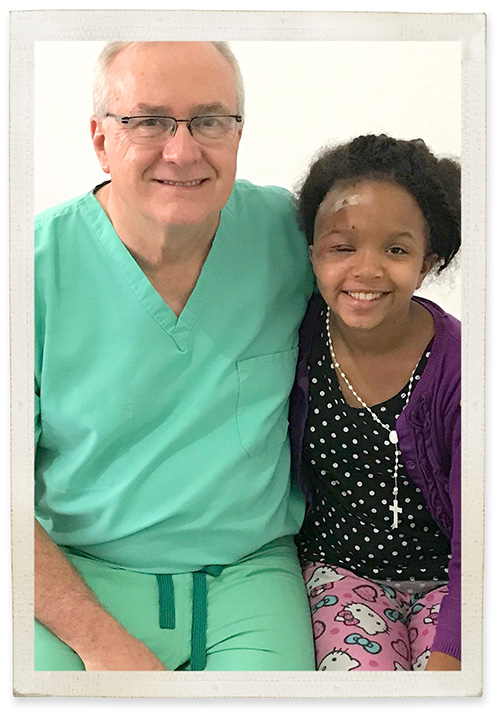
(338, 660)
(363, 616)
(323, 578)
(362, 625)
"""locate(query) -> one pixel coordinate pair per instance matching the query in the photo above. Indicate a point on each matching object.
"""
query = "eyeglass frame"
(125, 119)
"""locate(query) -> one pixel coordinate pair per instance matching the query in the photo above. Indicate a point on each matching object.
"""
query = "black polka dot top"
(349, 463)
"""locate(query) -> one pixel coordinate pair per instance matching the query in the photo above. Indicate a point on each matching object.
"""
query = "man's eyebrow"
(197, 110)
(203, 109)
(152, 110)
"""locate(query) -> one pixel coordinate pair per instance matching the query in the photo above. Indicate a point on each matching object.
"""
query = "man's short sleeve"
(38, 427)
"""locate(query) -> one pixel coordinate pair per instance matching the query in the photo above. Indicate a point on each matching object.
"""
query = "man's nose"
(182, 147)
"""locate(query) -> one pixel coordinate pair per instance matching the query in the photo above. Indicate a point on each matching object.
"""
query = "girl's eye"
(341, 248)
(398, 250)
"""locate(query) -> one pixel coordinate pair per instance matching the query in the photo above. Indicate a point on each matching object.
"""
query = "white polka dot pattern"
(348, 466)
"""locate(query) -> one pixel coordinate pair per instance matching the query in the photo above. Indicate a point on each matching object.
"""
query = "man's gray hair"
(111, 49)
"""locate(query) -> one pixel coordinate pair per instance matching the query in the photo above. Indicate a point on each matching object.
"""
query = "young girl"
(375, 412)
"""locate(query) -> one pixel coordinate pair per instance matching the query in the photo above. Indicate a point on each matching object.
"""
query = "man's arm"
(69, 609)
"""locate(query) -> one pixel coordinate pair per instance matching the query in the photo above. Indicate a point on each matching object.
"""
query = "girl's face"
(370, 252)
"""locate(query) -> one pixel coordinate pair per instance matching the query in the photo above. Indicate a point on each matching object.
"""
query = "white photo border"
(469, 29)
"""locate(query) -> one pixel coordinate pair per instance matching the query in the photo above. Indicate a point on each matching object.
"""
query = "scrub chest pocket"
(264, 384)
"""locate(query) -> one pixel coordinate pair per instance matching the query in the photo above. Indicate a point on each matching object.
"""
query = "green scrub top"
(162, 441)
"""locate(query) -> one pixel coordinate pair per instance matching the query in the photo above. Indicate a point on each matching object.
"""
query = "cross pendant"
(395, 510)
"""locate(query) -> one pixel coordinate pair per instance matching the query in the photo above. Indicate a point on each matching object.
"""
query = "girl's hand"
(438, 661)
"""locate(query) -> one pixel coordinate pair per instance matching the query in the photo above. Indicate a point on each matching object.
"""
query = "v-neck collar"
(178, 328)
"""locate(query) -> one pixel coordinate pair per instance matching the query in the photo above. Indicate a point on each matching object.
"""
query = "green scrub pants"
(249, 616)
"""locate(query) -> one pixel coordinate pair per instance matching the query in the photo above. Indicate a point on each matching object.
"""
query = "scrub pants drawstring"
(199, 615)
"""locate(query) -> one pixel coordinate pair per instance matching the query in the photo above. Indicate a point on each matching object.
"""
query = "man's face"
(179, 182)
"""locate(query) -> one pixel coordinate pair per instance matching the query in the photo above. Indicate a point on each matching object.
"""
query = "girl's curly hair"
(433, 182)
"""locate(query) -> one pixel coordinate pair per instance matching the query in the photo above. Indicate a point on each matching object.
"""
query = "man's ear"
(99, 142)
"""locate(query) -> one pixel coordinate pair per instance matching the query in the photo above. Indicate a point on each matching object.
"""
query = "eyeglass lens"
(161, 128)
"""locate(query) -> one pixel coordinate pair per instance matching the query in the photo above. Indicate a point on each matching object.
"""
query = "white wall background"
(299, 97)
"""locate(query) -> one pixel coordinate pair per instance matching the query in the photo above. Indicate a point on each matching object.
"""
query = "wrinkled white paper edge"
(30, 26)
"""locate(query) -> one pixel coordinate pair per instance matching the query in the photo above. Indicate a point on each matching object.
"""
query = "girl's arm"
(438, 661)
(447, 642)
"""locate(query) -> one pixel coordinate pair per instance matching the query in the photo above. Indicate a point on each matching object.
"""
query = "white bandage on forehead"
(344, 202)
(332, 203)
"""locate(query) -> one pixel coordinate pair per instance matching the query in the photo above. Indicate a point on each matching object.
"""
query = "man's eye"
(209, 121)
(156, 122)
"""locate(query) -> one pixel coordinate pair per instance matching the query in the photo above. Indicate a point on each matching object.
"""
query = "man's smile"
(182, 183)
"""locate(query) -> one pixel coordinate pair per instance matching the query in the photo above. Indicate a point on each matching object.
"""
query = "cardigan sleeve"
(448, 633)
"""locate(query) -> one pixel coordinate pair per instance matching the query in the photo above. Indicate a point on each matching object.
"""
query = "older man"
(167, 306)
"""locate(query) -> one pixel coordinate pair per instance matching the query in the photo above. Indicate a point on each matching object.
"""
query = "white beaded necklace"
(393, 435)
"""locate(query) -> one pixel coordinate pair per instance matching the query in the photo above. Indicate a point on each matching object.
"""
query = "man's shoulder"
(263, 205)
(64, 225)
(275, 196)
(61, 211)
(247, 187)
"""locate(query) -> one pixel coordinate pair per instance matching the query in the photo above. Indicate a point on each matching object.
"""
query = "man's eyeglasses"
(205, 129)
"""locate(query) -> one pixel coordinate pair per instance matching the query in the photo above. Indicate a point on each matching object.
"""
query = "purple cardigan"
(429, 439)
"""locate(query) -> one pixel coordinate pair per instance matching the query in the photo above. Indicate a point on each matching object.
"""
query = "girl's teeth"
(364, 296)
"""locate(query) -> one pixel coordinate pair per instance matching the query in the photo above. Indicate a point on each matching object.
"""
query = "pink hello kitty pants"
(362, 625)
